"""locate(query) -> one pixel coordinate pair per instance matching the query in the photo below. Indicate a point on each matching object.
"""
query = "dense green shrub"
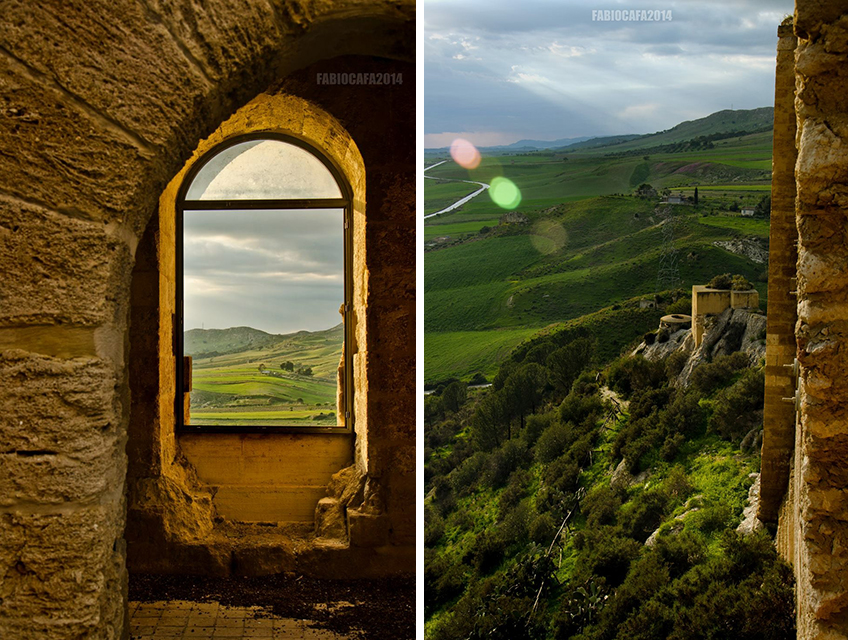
(681, 551)
(681, 305)
(580, 452)
(443, 580)
(513, 529)
(539, 352)
(536, 425)
(487, 552)
(515, 490)
(674, 364)
(605, 553)
(444, 498)
(464, 478)
(630, 374)
(600, 506)
(723, 281)
(566, 363)
(676, 484)
(454, 396)
(503, 461)
(647, 401)
(711, 519)
(554, 442)
(684, 415)
(433, 409)
(740, 283)
(643, 515)
(738, 409)
(671, 446)
(709, 376)
(434, 526)
(563, 474)
(581, 408)
(542, 529)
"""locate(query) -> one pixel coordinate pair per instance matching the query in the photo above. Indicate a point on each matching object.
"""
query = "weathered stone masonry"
(101, 104)
(809, 471)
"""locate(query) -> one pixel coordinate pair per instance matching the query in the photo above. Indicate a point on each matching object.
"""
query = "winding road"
(461, 201)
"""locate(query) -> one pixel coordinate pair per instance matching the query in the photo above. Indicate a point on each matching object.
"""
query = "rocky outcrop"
(750, 523)
(730, 331)
(751, 248)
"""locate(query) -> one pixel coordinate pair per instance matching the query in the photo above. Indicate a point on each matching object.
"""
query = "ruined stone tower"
(101, 106)
(805, 443)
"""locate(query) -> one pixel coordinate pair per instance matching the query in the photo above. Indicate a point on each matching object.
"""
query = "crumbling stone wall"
(821, 457)
(813, 519)
(101, 103)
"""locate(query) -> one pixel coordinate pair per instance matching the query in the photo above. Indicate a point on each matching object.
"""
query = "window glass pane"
(263, 170)
(262, 291)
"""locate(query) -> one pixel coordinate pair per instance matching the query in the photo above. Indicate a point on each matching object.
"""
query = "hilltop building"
(707, 302)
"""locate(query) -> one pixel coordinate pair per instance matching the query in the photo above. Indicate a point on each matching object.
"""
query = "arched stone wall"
(101, 103)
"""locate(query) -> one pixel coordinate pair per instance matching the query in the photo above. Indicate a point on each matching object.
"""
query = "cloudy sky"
(278, 271)
(497, 71)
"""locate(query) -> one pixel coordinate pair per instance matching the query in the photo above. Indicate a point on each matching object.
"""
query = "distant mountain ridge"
(725, 121)
(542, 144)
(235, 339)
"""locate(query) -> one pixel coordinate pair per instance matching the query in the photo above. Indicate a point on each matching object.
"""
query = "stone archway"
(176, 482)
(103, 104)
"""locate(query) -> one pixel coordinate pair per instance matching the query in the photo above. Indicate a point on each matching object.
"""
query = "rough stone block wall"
(101, 103)
(821, 469)
(779, 416)
(386, 339)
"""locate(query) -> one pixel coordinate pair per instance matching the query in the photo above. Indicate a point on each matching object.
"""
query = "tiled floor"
(182, 619)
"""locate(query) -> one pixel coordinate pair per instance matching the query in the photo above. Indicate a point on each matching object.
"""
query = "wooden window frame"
(344, 203)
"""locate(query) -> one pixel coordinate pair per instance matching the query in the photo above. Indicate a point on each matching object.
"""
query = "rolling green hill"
(202, 341)
(585, 243)
(721, 122)
(238, 379)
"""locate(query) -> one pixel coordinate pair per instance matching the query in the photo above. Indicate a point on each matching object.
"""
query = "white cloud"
(639, 110)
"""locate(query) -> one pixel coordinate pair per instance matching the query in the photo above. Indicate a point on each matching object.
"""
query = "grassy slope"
(715, 470)
(720, 122)
(486, 295)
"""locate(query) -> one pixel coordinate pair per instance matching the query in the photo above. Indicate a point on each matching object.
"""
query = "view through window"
(263, 289)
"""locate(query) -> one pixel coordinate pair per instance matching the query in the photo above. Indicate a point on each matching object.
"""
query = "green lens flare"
(504, 193)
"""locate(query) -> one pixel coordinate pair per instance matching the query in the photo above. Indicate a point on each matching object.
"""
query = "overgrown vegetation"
(578, 499)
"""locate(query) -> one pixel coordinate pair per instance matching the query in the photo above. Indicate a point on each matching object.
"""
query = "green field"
(585, 243)
(747, 226)
(247, 386)
(464, 353)
(439, 194)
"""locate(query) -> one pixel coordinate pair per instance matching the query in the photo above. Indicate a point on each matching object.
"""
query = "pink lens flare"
(465, 154)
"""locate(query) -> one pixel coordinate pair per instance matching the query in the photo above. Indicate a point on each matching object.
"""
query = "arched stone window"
(249, 472)
(263, 225)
